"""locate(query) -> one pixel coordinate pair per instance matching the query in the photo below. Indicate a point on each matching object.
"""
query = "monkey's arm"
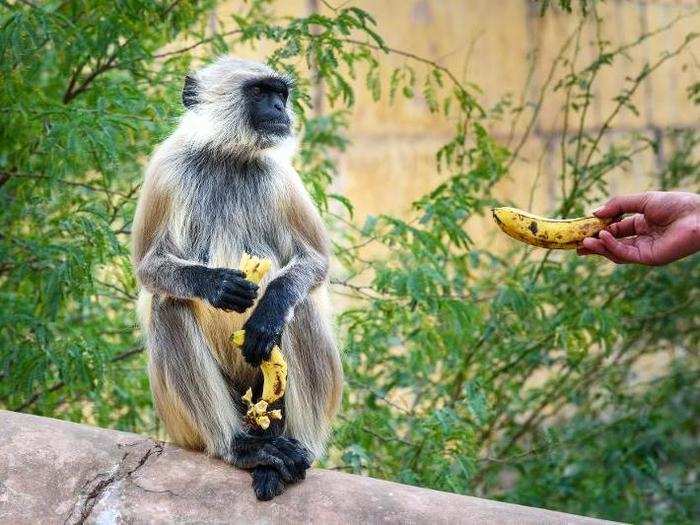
(306, 270)
(161, 268)
(162, 271)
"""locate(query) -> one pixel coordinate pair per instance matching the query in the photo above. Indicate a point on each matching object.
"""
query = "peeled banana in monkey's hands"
(556, 234)
(254, 268)
(274, 369)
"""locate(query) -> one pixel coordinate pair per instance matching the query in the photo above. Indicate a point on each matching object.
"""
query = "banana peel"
(556, 234)
(274, 369)
(274, 372)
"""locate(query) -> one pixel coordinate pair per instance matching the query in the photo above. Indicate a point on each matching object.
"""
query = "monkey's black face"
(267, 106)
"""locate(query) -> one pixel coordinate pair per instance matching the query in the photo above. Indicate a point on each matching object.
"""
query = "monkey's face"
(238, 104)
(267, 106)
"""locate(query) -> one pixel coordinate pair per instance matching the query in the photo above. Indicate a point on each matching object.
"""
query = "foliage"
(508, 375)
(83, 103)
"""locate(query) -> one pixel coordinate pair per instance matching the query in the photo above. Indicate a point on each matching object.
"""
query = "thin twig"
(197, 44)
(543, 91)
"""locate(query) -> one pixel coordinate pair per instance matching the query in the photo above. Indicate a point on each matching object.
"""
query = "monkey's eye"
(257, 91)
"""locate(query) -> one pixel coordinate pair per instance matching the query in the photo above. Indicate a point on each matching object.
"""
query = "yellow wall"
(487, 42)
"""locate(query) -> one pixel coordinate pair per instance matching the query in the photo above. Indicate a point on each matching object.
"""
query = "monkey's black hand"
(227, 289)
(263, 330)
(273, 461)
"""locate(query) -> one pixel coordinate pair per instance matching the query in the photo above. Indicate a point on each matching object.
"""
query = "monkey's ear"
(189, 92)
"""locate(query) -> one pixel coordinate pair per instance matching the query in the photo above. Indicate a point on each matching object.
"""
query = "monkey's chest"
(219, 236)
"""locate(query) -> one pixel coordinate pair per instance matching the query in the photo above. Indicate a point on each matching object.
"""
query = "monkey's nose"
(279, 106)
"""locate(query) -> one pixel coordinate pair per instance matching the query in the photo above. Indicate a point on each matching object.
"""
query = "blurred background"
(473, 364)
(507, 48)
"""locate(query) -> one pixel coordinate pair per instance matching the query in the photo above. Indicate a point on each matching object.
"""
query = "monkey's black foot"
(286, 456)
(266, 483)
(298, 453)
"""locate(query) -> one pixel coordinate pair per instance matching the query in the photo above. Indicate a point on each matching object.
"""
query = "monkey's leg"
(315, 376)
(190, 387)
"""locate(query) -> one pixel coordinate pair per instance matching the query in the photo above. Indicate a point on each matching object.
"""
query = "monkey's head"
(238, 104)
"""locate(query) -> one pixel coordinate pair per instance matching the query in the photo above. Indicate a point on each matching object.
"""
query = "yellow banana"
(274, 369)
(254, 267)
(558, 234)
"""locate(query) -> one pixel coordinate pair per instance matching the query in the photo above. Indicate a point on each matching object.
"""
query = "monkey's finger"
(242, 283)
(245, 443)
(239, 284)
(249, 284)
(268, 457)
(246, 460)
(299, 466)
(261, 344)
(237, 289)
(300, 455)
(234, 302)
(306, 458)
(250, 353)
(267, 342)
(235, 299)
(289, 463)
(238, 309)
(294, 441)
(289, 443)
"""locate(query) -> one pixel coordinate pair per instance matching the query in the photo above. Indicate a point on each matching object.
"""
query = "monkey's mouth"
(279, 126)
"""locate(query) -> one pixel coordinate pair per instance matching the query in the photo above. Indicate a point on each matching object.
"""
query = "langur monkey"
(223, 184)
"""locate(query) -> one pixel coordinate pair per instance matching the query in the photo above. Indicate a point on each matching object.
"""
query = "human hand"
(665, 227)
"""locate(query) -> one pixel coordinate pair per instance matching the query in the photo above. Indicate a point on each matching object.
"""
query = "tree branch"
(111, 63)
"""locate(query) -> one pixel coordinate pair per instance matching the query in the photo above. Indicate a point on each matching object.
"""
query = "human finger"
(624, 252)
(626, 227)
(632, 203)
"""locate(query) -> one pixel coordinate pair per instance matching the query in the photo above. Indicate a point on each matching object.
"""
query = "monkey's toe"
(300, 456)
(266, 483)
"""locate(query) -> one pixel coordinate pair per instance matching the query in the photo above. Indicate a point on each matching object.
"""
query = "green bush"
(512, 376)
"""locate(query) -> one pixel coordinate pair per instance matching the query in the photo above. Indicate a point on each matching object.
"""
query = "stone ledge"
(53, 471)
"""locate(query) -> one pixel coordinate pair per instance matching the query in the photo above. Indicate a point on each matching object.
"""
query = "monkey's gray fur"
(217, 187)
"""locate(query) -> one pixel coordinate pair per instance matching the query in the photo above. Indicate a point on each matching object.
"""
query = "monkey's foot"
(301, 455)
(285, 455)
(266, 483)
